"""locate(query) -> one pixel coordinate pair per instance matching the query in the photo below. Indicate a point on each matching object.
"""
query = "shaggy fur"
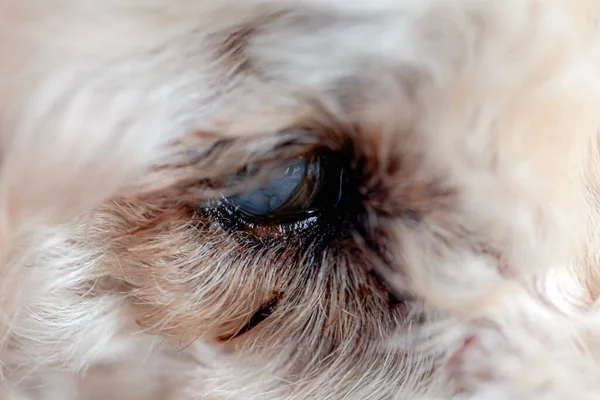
(471, 127)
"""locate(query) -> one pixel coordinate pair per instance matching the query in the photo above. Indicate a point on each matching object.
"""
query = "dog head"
(339, 200)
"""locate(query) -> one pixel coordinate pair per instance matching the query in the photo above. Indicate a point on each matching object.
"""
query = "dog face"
(323, 200)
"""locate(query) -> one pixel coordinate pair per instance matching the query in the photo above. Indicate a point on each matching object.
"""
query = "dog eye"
(294, 193)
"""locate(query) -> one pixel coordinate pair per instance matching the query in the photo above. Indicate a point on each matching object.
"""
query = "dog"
(299, 199)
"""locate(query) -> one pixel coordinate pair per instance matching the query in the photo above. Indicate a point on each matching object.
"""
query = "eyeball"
(295, 191)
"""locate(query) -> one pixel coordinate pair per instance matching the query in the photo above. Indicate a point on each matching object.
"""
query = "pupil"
(269, 198)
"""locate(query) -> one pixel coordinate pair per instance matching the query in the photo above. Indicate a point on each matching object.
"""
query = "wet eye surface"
(304, 195)
(292, 193)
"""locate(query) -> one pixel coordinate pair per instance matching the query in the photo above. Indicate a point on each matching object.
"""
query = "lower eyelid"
(290, 230)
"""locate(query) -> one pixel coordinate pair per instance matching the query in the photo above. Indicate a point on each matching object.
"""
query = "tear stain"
(263, 312)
